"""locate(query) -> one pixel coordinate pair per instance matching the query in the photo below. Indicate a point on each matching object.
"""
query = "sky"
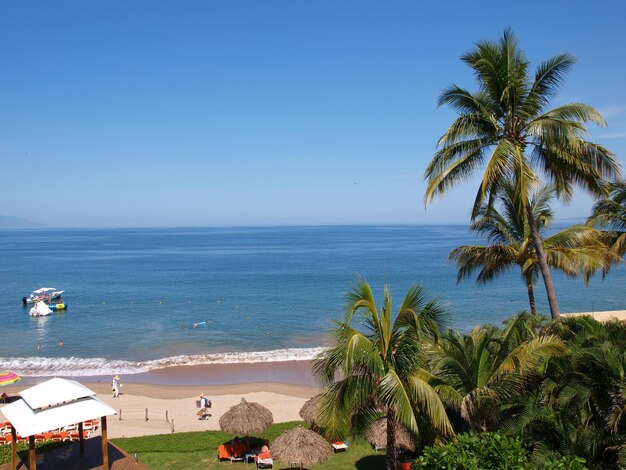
(278, 112)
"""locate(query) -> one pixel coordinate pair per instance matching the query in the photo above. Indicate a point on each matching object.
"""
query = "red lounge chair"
(223, 452)
(264, 460)
(339, 445)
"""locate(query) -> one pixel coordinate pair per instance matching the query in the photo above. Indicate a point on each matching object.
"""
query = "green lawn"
(198, 450)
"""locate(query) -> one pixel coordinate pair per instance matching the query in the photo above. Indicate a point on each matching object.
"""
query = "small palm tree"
(507, 128)
(578, 406)
(476, 374)
(373, 368)
(573, 251)
(611, 213)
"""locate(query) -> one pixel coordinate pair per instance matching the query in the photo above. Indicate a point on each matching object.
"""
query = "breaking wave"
(80, 367)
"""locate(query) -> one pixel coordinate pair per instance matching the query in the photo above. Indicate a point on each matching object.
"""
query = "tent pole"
(31, 452)
(105, 444)
(81, 439)
(13, 448)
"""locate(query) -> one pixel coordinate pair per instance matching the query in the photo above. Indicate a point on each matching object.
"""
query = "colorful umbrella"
(8, 378)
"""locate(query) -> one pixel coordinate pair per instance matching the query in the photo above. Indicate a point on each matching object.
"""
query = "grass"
(198, 450)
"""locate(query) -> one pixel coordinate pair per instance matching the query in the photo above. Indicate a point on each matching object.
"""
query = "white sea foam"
(80, 367)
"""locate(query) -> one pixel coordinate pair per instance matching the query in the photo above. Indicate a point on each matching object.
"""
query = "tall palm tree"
(373, 367)
(477, 373)
(575, 250)
(506, 127)
(611, 213)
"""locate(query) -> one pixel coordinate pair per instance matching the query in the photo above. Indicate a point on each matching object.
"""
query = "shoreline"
(294, 373)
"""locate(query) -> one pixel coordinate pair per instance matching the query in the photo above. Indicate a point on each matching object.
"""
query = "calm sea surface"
(263, 293)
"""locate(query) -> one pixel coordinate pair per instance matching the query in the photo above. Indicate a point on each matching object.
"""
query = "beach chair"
(70, 428)
(339, 446)
(223, 452)
(238, 452)
(91, 425)
(264, 460)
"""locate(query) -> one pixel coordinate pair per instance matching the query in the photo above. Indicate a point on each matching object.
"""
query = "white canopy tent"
(54, 404)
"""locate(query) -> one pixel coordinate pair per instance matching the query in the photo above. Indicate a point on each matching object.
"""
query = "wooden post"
(146, 414)
(166, 415)
(120, 414)
(105, 444)
(31, 452)
(81, 439)
(13, 448)
(172, 425)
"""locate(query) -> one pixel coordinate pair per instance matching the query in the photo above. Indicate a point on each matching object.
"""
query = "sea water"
(141, 299)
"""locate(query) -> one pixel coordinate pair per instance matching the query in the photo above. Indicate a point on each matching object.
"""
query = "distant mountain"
(7, 221)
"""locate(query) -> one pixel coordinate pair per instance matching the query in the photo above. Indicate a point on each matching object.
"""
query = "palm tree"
(611, 213)
(506, 127)
(572, 251)
(373, 367)
(476, 374)
(579, 405)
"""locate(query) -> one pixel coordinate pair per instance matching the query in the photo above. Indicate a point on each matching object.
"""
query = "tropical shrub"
(486, 451)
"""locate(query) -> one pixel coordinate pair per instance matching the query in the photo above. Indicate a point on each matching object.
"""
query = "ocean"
(257, 294)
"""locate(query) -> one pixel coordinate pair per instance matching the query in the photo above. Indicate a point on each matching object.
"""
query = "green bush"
(22, 450)
(565, 463)
(487, 451)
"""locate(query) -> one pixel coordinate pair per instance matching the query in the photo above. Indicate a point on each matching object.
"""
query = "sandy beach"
(611, 315)
(175, 390)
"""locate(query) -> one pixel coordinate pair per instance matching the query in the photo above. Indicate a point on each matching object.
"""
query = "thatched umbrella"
(246, 418)
(376, 435)
(309, 411)
(302, 447)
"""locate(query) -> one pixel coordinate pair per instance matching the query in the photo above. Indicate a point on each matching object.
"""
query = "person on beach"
(205, 404)
(115, 386)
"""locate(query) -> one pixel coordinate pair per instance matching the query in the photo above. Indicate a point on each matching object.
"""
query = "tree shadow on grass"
(371, 462)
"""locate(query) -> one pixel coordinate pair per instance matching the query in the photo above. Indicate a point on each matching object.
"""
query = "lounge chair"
(339, 446)
(238, 451)
(264, 460)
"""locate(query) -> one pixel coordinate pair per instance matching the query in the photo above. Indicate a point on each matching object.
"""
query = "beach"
(174, 390)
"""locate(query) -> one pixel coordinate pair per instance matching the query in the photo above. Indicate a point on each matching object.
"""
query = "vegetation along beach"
(313, 235)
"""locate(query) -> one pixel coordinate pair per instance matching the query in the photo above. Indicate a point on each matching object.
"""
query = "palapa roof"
(52, 405)
(309, 411)
(246, 418)
(302, 447)
(376, 435)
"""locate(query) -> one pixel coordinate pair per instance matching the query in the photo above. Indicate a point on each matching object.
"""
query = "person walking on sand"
(115, 386)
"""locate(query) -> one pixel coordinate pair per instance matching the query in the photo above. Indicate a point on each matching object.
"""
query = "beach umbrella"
(301, 447)
(376, 434)
(246, 418)
(309, 411)
(8, 378)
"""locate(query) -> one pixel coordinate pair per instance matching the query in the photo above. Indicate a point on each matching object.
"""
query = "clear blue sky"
(135, 113)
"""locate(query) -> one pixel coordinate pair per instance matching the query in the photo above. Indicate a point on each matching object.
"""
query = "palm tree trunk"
(543, 263)
(531, 299)
(391, 463)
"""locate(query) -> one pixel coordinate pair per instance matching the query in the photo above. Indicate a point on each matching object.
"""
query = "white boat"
(40, 310)
(43, 293)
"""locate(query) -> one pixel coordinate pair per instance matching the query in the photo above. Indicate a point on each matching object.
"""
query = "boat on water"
(43, 293)
(40, 309)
